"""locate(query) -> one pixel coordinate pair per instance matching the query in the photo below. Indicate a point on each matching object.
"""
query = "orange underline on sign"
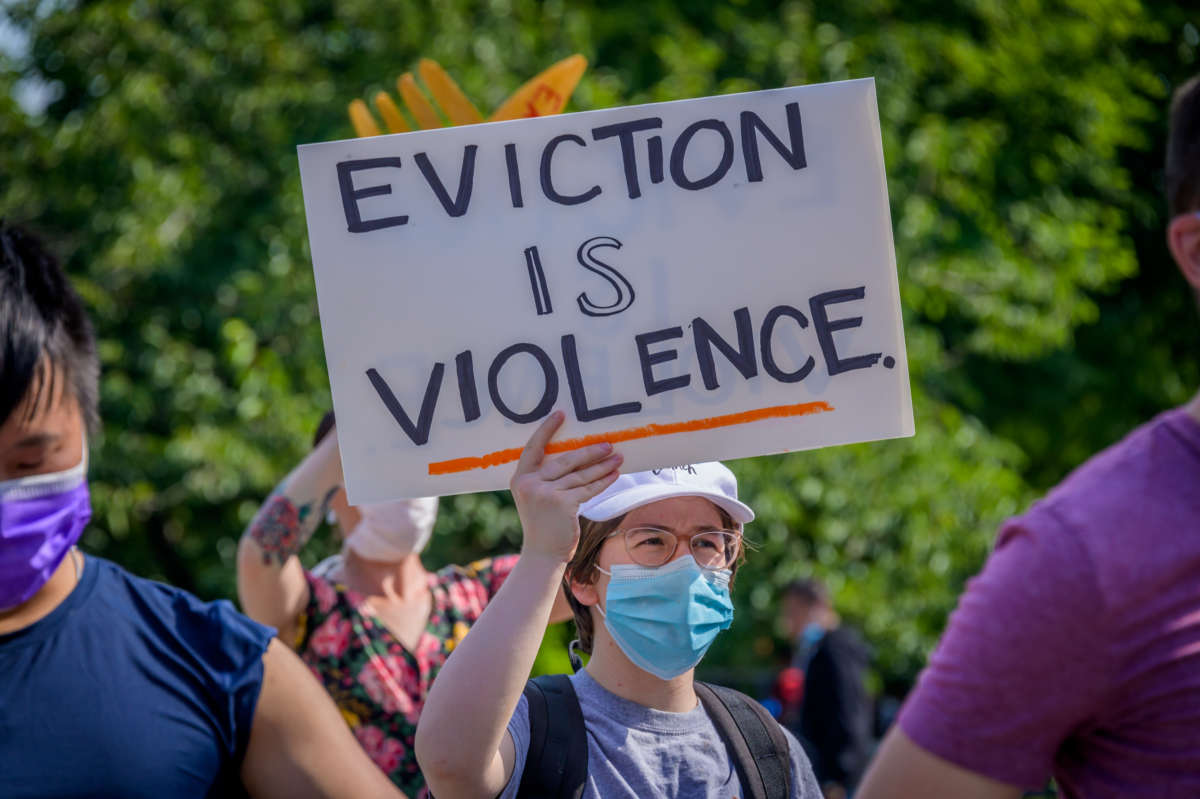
(648, 431)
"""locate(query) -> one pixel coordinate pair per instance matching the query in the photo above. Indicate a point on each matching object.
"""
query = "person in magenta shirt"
(1075, 653)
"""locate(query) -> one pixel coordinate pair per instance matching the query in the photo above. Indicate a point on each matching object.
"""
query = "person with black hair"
(371, 622)
(1075, 653)
(114, 685)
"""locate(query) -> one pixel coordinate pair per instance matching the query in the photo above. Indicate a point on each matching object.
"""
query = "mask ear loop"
(573, 655)
(604, 571)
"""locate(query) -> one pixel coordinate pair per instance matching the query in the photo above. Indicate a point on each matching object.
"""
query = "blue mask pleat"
(665, 619)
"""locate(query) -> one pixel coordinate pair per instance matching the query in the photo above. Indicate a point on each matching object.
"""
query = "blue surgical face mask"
(665, 618)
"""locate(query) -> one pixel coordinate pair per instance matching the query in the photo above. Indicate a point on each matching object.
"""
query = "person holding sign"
(647, 558)
(371, 622)
(114, 685)
(1076, 651)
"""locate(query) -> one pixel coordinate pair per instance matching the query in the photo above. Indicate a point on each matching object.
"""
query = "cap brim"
(636, 497)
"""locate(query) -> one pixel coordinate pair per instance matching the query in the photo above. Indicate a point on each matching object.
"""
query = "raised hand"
(549, 489)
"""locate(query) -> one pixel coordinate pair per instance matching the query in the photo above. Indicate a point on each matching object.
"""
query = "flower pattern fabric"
(378, 684)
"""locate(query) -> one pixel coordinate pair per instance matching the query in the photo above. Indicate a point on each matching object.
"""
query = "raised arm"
(462, 744)
(270, 579)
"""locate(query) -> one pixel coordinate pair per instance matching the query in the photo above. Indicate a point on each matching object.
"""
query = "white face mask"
(391, 531)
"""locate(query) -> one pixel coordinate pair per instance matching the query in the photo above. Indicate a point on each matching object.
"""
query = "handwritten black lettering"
(548, 181)
(752, 124)
(768, 354)
(826, 328)
(466, 181)
(742, 357)
(514, 175)
(419, 432)
(351, 195)
(468, 395)
(620, 284)
(648, 360)
(579, 397)
(624, 132)
(679, 151)
(549, 393)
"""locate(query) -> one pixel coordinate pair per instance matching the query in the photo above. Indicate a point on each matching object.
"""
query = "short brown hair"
(582, 567)
(1183, 150)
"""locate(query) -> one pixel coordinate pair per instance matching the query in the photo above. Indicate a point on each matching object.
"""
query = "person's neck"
(404, 580)
(49, 596)
(1193, 408)
(618, 675)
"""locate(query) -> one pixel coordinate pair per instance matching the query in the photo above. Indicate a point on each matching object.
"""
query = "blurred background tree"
(154, 143)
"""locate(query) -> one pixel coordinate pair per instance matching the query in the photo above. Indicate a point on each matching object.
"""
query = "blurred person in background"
(1075, 653)
(834, 714)
(371, 622)
(113, 685)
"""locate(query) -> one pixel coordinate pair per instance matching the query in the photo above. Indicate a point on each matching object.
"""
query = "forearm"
(901, 769)
(294, 510)
(270, 579)
(468, 709)
(461, 743)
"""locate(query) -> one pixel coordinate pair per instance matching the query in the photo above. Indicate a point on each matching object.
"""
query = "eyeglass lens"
(649, 546)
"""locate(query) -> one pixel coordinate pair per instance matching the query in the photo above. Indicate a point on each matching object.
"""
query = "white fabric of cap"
(711, 480)
(390, 531)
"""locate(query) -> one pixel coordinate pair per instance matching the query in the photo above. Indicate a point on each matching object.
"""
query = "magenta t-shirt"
(1076, 651)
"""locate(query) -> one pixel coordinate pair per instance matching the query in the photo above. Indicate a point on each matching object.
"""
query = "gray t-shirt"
(638, 752)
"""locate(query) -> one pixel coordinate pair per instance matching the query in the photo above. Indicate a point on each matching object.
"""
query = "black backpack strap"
(756, 741)
(556, 763)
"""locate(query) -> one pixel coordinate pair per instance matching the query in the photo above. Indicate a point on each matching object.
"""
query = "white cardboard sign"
(691, 280)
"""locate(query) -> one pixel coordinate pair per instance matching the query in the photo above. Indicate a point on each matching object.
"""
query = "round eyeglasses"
(712, 549)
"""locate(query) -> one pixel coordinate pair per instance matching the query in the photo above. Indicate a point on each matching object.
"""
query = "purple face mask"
(41, 518)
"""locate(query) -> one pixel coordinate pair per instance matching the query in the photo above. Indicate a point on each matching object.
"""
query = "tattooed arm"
(271, 584)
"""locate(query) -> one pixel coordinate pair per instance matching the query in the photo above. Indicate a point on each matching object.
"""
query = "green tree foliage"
(1023, 143)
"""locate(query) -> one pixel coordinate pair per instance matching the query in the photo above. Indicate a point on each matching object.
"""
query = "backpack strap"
(756, 741)
(556, 763)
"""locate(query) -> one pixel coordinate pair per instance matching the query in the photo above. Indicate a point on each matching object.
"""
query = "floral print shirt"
(378, 684)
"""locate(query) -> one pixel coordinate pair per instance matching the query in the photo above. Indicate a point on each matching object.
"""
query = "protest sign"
(692, 280)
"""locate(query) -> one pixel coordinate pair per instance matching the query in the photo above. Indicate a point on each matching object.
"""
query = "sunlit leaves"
(165, 169)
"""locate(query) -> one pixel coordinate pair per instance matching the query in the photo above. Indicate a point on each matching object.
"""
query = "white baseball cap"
(711, 480)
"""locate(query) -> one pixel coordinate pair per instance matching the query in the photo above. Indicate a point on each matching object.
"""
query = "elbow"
(433, 759)
(249, 560)
(251, 582)
(443, 772)
(249, 554)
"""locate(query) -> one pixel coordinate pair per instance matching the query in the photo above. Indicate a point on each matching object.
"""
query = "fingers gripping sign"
(549, 490)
